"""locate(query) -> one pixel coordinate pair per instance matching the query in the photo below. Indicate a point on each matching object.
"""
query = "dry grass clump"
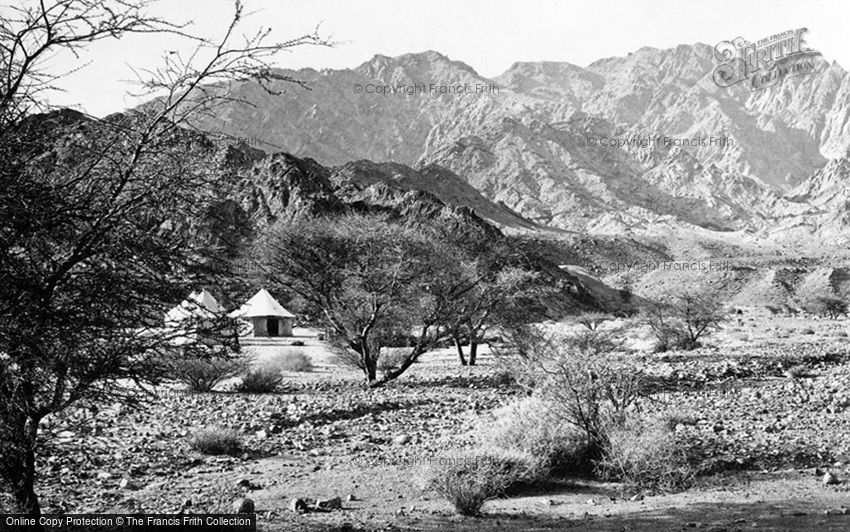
(646, 456)
(470, 480)
(261, 380)
(216, 440)
(797, 371)
(204, 374)
(529, 427)
(392, 357)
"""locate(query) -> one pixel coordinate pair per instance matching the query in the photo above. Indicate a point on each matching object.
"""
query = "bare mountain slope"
(534, 145)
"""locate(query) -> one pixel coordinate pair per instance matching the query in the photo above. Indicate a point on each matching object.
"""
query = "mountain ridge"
(528, 145)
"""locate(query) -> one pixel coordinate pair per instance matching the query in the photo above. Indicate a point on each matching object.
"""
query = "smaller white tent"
(198, 305)
(266, 316)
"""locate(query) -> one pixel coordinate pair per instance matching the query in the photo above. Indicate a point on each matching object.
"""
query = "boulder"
(334, 503)
(830, 480)
(242, 505)
(297, 505)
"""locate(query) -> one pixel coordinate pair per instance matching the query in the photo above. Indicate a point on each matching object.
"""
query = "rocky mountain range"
(530, 153)
(249, 190)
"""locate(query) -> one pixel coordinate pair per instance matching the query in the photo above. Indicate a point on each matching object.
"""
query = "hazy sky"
(488, 35)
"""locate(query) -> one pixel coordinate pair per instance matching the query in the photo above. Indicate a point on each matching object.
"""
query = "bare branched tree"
(99, 218)
(370, 281)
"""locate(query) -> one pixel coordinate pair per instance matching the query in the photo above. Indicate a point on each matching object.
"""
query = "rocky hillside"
(533, 145)
(250, 189)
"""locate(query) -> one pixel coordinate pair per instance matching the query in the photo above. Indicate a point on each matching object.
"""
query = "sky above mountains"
(489, 36)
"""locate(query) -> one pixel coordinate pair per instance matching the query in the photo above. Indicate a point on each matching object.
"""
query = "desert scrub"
(646, 456)
(392, 357)
(529, 427)
(261, 380)
(204, 374)
(469, 480)
(216, 440)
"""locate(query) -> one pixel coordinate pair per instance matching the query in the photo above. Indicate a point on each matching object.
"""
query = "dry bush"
(468, 480)
(679, 320)
(590, 392)
(392, 357)
(216, 440)
(825, 305)
(797, 371)
(529, 427)
(261, 380)
(592, 320)
(595, 341)
(646, 456)
(388, 357)
(204, 374)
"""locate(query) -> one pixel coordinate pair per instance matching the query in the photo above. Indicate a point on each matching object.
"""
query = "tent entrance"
(273, 326)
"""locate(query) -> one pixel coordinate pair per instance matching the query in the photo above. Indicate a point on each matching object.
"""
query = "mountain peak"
(428, 67)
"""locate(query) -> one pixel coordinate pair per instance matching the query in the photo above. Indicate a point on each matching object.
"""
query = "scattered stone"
(334, 503)
(297, 505)
(243, 505)
(261, 434)
(246, 483)
(401, 439)
(127, 484)
(830, 480)
(104, 475)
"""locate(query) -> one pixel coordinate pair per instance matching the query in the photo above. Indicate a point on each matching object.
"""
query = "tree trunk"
(460, 351)
(26, 501)
(395, 372)
(370, 363)
(473, 350)
(370, 367)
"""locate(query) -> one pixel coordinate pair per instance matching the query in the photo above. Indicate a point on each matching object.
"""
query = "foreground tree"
(97, 217)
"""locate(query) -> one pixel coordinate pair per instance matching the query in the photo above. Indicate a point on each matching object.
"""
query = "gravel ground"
(763, 430)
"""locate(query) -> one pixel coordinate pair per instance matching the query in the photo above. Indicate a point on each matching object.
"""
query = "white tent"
(266, 316)
(198, 305)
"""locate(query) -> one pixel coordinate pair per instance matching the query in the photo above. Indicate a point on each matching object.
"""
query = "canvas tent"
(194, 317)
(265, 315)
(198, 305)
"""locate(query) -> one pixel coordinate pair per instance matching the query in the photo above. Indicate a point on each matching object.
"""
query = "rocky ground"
(769, 415)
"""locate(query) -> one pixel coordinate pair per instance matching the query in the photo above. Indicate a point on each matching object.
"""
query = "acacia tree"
(96, 216)
(504, 289)
(680, 319)
(494, 297)
(370, 281)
